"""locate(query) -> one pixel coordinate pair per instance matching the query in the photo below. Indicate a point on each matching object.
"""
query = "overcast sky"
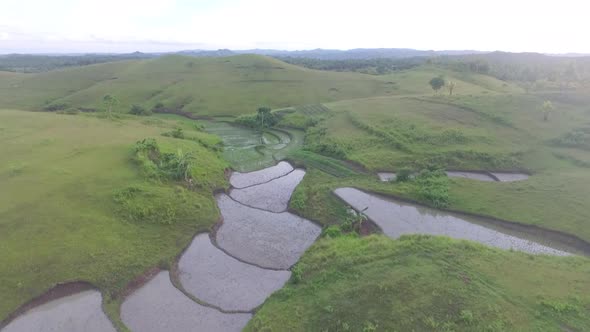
(34, 26)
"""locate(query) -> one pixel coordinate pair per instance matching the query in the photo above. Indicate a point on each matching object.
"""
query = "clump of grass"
(404, 174)
(139, 110)
(577, 138)
(176, 133)
(433, 187)
(164, 205)
(155, 164)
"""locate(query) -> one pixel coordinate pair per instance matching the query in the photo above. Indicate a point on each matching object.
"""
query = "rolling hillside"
(216, 86)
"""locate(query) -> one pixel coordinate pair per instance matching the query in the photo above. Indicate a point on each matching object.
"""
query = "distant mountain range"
(322, 54)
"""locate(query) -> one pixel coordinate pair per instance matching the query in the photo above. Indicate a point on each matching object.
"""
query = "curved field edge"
(66, 214)
(427, 283)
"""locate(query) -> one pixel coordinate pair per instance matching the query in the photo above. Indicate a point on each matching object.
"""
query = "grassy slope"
(58, 218)
(427, 284)
(211, 86)
(510, 131)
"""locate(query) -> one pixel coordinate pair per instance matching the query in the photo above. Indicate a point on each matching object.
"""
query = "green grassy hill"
(216, 86)
(424, 283)
(73, 205)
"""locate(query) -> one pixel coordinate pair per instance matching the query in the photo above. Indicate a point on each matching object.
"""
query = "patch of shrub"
(328, 148)
(577, 138)
(159, 107)
(176, 133)
(69, 111)
(560, 307)
(298, 199)
(254, 120)
(332, 231)
(154, 164)
(139, 110)
(433, 187)
(55, 107)
(404, 174)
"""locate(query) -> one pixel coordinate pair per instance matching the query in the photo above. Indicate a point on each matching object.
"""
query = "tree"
(263, 114)
(110, 101)
(547, 108)
(436, 83)
(451, 86)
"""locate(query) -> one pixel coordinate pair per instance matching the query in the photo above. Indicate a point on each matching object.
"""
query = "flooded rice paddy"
(248, 149)
(479, 176)
(74, 313)
(397, 218)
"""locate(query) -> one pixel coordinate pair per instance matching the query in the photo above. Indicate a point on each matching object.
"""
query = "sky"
(78, 26)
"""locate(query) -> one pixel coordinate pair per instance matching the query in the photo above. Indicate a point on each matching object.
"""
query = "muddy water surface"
(510, 177)
(241, 180)
(212, 276)
(272, 196)
(74, 313)
(479, 176)
(158, 306)
(397, 218)
(267, 239)
(471, 176)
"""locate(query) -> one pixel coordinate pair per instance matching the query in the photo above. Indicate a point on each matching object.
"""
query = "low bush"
(139, 110)
(155, 164)
(404, 174)
(176, 133)
(52, 107)
(433, 187)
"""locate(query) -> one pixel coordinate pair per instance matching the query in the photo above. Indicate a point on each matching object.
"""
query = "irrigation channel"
(224, 276)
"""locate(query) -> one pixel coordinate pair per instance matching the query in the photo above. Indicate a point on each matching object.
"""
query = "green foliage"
(433, 187)
(139, 110)
(69, 111)
(332, 231)
(436, 83)
(404, 174)
(354, 221)
(561, 307)
(298, 199)
(154, 164)
(176, 133)
(577, 138)
(56, 106)
(263, 118)
(177, 166)
(167, 206)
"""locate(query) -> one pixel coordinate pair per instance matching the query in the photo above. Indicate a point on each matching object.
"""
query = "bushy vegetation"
(577, 138)
(139, 110)
(263, 118)
(166, 205)
(433, 187)
(155, 164)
